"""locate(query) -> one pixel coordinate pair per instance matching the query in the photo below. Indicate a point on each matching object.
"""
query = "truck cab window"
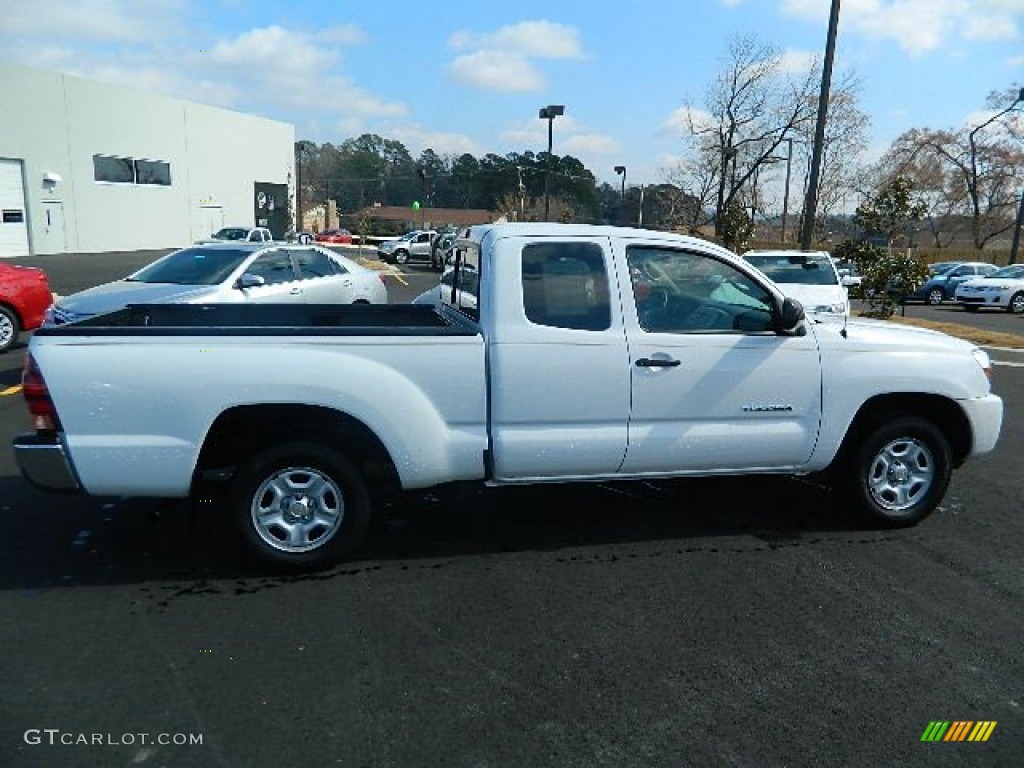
(565, 285)
(683, 292)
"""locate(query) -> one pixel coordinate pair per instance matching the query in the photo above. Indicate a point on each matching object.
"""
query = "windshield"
(943, 267)
(231, 233)
(192, 266)
(799, 268)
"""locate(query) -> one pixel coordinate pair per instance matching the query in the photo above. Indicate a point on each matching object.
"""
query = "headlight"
(982, 359)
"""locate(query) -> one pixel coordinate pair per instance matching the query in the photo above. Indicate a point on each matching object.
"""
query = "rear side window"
(565, 285)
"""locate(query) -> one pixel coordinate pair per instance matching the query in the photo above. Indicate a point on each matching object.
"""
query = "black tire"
(401, 257)
(936, 296)
(1015, 306)
(898, 472)
(326, 526)
(10, 327)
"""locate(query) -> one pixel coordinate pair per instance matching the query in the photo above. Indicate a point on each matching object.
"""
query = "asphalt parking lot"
(739, 623)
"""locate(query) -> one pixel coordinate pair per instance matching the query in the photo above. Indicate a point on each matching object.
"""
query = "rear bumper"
(44, 462)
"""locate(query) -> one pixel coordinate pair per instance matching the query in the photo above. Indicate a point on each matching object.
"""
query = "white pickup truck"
(557, 353)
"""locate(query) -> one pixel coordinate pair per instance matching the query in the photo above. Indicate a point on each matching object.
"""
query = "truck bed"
(272, 320)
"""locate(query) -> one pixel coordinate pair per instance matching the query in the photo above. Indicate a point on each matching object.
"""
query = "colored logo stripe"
(982, 730)
(958, 730)
(935, 730)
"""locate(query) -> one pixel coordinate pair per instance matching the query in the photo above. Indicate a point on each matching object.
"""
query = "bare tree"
(972, 174)
(753, 106)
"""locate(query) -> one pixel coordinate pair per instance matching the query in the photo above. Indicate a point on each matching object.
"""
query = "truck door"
(557, 359)
(713, 387)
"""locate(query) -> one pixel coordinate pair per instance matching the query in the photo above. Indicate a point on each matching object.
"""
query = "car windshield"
(943, 267)
(231, 233)
(1014, 271)
(193, 266)
(799, 268)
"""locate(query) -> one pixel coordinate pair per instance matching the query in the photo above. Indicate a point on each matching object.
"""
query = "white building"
(88, 166)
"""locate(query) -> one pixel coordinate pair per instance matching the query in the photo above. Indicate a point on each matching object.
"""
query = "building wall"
(58, 122)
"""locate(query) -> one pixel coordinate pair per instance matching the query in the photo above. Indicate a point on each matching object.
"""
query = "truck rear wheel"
(898, 473)
(301, 505)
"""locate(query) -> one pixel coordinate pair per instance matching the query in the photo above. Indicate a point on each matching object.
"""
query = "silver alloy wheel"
(901, 474)
(7, 330)
(297, 509)
(401, 256)
(936, 296)
(1016, 304)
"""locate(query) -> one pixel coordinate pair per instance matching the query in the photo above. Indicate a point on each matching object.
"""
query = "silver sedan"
(232, 273)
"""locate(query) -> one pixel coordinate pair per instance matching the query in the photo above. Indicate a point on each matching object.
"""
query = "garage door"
(13, 227)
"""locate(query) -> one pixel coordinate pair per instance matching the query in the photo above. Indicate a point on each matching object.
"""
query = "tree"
(753, 106)
(887, 273)
(973, 174)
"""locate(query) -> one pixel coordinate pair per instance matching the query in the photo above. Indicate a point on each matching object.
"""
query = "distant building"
(88, 166)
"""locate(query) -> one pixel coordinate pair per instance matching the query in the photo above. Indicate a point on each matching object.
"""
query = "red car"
(24, 297)
(342, 236)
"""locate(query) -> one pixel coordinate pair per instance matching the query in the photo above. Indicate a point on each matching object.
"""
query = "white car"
(269, 273)
(810, 277)
(1003, 289)
(239, 235)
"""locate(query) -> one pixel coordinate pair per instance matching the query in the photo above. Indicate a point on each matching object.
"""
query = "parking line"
(398, 277)
(11, 390)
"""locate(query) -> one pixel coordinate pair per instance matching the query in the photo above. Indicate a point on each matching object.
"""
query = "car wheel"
(10, 327)
(1016, 303)
(301, 505)
(898, 473)
(936, 296)
(401, 257)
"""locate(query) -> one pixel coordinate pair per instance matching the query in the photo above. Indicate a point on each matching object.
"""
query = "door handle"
(650, 362)
(295, 291)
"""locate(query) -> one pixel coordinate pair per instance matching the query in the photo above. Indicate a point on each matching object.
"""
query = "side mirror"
(249, 281)
(791, 316)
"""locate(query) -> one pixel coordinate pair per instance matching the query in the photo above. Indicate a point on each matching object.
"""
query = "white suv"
(412, 246)
(810, 277)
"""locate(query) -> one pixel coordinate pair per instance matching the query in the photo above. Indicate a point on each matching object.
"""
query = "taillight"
(37, 396)
(382, 280)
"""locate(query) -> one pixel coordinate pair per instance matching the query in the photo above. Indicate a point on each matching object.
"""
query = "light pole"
(549, 113)
(621, 170)
(811, 201)
(785, 198)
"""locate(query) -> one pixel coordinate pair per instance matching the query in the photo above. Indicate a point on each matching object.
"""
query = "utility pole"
(549, 113)
(785, 199)
(1016, 230)
(811, 201)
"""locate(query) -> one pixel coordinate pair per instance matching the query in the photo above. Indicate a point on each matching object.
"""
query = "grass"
(977, 336)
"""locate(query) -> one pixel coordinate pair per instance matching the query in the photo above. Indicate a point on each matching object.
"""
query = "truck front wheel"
(899, 472)
(301, 505)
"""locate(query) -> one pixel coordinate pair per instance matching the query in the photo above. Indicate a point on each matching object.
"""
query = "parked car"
(440, 244)
(239, 234)
(810, 277)
(24, 298)
(232, 273)
(412, 246)
(946, 276)
(303, 237)
(1003, 289)
(340, 236)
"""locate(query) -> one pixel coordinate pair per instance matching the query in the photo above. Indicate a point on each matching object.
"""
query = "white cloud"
(920, 26)
(678, 123)
(795, 62)
(97, 21)
(497, 70)
(590, 144)
(417, 138)
(505, 60)
(540, 39)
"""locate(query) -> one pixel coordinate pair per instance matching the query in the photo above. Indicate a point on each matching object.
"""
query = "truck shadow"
(55, 541)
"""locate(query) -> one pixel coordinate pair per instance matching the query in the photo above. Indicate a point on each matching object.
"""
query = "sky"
(459, 76)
